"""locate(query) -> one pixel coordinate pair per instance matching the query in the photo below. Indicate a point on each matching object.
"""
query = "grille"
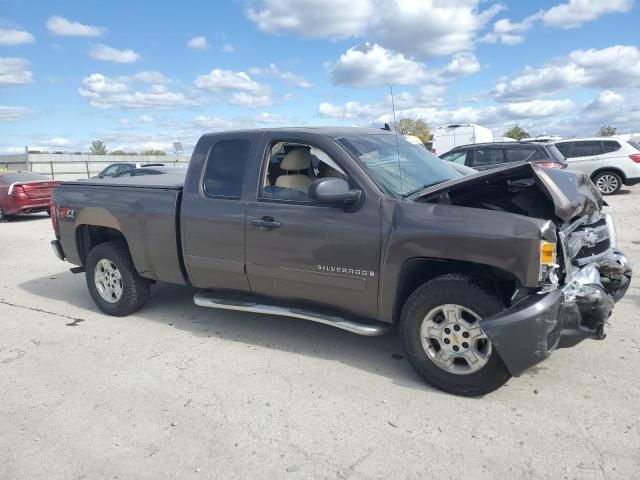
(589, 240)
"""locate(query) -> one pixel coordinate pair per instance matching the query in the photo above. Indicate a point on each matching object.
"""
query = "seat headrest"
(296, 160)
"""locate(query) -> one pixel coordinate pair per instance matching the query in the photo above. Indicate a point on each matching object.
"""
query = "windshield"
(398, 168)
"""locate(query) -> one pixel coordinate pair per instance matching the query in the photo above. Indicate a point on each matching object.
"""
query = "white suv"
(609, 162)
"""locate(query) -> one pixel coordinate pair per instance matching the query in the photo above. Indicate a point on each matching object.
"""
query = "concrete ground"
(178, 391)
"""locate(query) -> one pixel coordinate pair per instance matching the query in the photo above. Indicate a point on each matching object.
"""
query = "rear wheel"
(3, 216)
(113, 282)
(608, 182)
(441, 329)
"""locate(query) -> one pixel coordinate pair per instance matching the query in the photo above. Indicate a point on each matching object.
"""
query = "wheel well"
(88, 236)
(417, 271)
(609, 169)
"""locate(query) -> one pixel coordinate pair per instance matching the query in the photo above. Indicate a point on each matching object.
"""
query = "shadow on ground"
(173, 305)
(26, 218)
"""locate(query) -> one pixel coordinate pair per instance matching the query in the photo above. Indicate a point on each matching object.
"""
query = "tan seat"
(296, 161)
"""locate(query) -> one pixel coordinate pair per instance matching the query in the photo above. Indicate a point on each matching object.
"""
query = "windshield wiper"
(423, 187)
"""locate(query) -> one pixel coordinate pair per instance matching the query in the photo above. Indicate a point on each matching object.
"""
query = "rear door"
(585, 155)
(314, 254)
(213, 211)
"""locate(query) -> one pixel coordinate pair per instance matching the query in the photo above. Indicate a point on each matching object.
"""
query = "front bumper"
(528, 332)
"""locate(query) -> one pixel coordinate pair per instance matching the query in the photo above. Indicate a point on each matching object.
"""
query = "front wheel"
(608, 182)
(113, 282)
(441, 329)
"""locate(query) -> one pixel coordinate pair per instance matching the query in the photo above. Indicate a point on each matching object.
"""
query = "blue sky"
(141, 76)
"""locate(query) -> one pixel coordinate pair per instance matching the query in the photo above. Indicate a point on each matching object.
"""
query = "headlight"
(547, 254)
(613, 235)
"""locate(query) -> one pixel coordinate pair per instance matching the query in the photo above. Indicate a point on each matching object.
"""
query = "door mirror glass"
(333, 191)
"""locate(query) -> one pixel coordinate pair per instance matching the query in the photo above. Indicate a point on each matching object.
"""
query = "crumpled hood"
(572, 193)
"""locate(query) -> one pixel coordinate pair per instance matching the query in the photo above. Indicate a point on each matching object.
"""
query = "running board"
(247, 304)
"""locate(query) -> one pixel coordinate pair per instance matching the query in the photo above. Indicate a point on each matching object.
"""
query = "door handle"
(265, 222)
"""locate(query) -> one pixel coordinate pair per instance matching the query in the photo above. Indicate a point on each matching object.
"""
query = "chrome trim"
(209, 300)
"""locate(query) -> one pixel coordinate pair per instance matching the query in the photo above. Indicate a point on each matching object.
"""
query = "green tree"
(416, 127)
(98, 147)
(153, 152)
(122, 152)
(517, 133)
(607, 131)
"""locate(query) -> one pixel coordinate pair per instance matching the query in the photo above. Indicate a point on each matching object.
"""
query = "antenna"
(395, 129)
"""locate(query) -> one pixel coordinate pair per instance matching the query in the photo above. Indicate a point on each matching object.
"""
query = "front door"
(305, 253)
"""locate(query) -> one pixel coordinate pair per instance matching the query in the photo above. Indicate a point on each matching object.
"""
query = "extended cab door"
(306, 253)
(213, 210)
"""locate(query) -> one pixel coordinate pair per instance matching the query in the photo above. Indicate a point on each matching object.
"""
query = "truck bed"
(144, 209)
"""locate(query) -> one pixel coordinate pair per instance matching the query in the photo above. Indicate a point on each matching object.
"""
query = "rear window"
(23, 177)
(610, 146)
(522, 154)
(554, 153)
(564, 148)
(635, 145)
(487, 156)
(586, 149)
(226, 167)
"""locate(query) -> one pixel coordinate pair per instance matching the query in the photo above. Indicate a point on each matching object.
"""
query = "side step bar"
(247, 304)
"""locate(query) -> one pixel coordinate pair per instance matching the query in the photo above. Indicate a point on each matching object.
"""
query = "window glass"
(226, 167)
(521, 154)
(456, 157)
(291, 169)
(565, 148)
(586, 149)
(110, 170)
(610, 146)
(487, 156)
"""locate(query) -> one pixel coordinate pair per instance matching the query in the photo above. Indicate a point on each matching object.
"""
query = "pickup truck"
(484, 274)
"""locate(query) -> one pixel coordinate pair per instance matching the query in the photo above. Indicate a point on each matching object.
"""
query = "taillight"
(635, 157)
(433, 150)
(551, 164)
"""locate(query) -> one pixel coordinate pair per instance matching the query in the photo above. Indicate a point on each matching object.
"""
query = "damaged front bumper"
(528, 332)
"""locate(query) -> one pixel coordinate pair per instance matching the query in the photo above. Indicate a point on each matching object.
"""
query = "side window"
(226, 167)
(487, 156)
(459, 157)
(292, 167)
(610, 146)
(586, 149)
(565, 148)
(110, 170)
(521, 154)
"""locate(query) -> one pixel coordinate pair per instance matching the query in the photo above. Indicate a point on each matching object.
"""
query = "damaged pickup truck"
(485, 274)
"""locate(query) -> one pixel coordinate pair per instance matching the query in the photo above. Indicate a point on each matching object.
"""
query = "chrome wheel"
(108, 280)
(607, 183)
(453, 339)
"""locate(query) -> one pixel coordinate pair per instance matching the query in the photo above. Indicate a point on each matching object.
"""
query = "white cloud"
(612, 67)
(510, 33)
(10, 37)
(289, 77)
(145, 119)
(218, 80)
(104, 92)
(14, 71)
(421, 29)
(271, 119)
(198, 43)
(368, 65)
(577, 12)
(461, 65)
(243, 99)
(109, 54)
(334, 19)
(228, 48)
(58, 142)
(11, 114)
(537, 108)
(64, 27)
(219, 123)
(152, 77)
(606, 100)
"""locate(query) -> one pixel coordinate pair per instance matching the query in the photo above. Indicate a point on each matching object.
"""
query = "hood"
(572, 194)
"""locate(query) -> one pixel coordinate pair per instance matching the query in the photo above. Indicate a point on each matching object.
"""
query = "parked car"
(485, 156)
(120, 167)
(610, 162)
(24, 192)
(151, 170)
(486, 274)
(450, 136)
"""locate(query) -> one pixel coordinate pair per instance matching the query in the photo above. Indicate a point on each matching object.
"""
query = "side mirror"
(333, 191)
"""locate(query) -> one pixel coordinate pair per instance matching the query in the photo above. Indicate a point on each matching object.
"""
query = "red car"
(24, 192)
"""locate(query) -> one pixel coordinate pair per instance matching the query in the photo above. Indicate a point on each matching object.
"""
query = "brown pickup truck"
(484, 274)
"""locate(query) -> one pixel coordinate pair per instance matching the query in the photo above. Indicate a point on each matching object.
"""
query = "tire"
(489, 372)
(133, 290)
(608, 182)
(3, 217)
